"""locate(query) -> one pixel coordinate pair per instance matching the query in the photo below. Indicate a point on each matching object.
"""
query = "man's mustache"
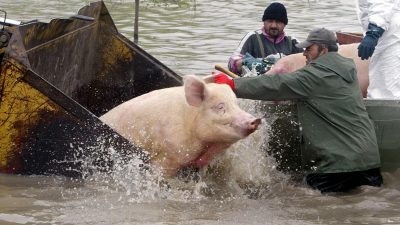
(274, 31)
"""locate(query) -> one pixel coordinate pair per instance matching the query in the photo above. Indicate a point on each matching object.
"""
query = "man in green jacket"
(339, 147)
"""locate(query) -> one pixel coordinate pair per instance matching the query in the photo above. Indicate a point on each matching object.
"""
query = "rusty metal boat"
(56, 79)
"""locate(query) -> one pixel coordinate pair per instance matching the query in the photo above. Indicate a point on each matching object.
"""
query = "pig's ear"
(195, 90)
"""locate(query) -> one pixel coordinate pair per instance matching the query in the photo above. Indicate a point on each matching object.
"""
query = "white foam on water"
(245, 170)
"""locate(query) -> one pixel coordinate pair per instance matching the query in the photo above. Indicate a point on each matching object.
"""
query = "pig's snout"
(254, 124)
(248, 124)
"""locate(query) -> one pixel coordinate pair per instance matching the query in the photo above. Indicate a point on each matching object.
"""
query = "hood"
(343, 67)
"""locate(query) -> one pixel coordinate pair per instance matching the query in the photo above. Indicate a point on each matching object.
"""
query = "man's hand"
(369, 42)
(222, 78)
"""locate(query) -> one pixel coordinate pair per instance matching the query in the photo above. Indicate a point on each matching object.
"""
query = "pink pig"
(183, 126)
(294, 62)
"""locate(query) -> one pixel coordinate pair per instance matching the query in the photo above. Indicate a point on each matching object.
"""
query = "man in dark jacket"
(339, 147)
(270, 39)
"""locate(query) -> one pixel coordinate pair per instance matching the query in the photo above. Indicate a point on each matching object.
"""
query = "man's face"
(313, 52)
(274, 27)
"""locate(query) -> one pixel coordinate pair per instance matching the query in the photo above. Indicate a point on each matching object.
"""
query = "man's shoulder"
(252, 35)
(292, 42)
(334, 62)
(291, 36)
(258, 31)
(327, 57)
(341, 58)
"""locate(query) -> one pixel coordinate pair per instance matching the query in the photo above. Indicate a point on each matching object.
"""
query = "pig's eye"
(220, 108)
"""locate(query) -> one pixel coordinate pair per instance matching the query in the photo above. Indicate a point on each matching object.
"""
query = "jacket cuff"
(378, 21)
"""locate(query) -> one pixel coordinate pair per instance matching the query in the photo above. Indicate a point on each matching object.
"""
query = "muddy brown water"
(243, 187)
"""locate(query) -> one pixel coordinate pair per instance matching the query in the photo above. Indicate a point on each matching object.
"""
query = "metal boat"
(284, 135)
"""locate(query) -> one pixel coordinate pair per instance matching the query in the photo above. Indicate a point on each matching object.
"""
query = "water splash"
(127, 179)
(243, 171)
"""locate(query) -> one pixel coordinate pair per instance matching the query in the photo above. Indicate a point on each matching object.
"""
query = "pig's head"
(217, 116)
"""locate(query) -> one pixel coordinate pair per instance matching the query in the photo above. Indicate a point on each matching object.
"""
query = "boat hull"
(284, 135)
(348, 38)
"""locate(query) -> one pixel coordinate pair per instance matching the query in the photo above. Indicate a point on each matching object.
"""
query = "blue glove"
(251, 62)
(367, 46)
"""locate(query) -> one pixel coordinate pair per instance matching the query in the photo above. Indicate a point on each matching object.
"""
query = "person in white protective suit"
(381, 21)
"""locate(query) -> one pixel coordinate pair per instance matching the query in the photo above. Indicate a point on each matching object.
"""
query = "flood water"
(242, 187)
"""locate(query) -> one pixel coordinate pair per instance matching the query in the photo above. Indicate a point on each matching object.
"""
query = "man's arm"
(235, 61)
(379, 16)
(380, 12)
(297, 85)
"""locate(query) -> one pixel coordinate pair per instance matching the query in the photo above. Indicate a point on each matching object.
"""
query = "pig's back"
(294, 62)
(148, 109)
(351, 51)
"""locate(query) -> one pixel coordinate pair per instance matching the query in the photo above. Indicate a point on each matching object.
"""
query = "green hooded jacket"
(337, 133)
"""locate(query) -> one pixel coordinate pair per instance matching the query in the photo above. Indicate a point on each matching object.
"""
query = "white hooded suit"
(384, 72)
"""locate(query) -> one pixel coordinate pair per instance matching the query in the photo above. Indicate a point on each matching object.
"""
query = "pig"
(183, 126)
(294, 62)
